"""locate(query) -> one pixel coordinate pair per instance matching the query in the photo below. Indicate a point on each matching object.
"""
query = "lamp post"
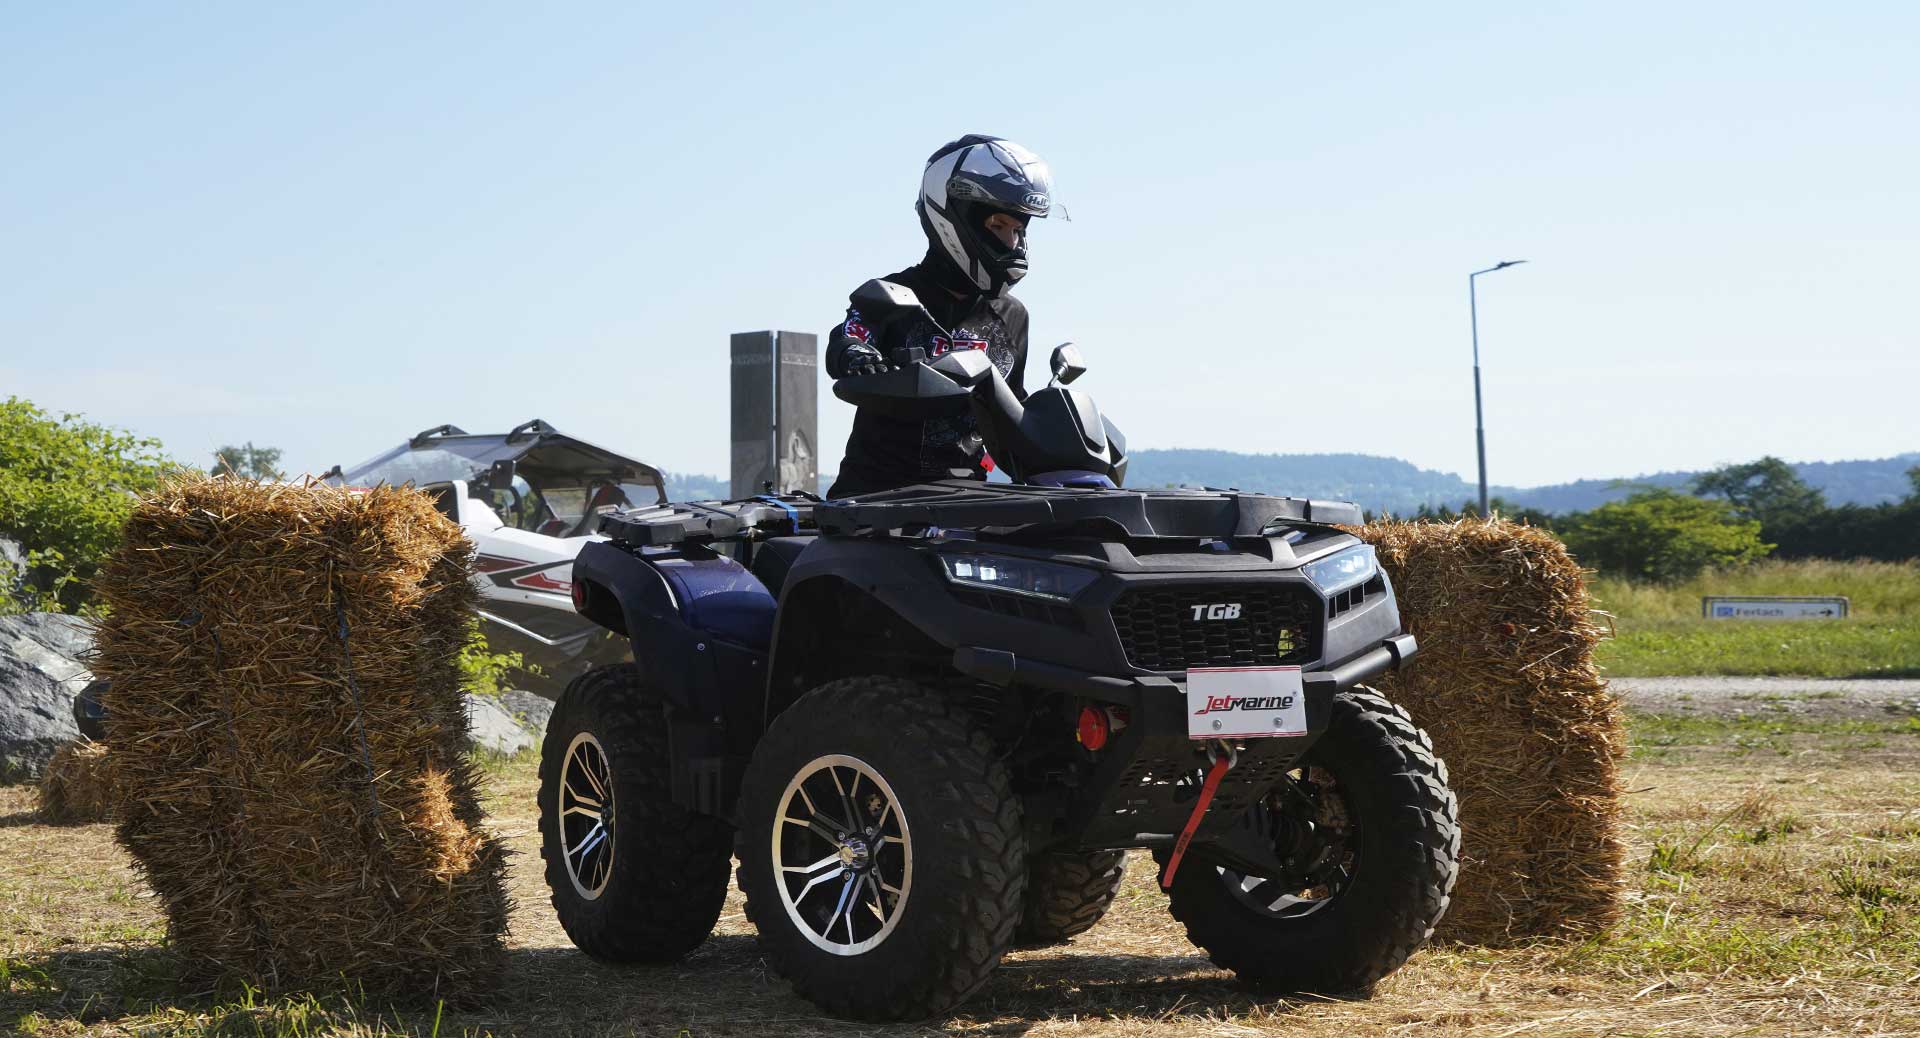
(1479, 426)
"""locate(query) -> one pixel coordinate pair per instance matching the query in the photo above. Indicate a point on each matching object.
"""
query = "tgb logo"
(1217, 611)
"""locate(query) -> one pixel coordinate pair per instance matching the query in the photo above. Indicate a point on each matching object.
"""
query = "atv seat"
(774, 557)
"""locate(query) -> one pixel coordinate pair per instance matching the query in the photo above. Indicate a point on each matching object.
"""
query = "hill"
(1391, 485)
(1375, 483)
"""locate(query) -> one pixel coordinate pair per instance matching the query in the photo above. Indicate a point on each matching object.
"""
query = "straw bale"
(1506, 684)
(77, 786)
(299, 800)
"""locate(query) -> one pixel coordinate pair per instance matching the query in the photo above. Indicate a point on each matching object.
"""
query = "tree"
(1889, 532)
(1499, 506)
(1661, 535)
(1768, 490)
(249, 461)
(66, 488)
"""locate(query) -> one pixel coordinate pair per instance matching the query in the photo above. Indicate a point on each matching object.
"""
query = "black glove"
(862, 359)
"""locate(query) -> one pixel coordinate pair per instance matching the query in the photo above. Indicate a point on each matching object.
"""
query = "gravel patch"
(1814, 698)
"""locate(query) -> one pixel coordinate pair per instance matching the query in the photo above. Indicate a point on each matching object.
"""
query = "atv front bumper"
(1142, 789)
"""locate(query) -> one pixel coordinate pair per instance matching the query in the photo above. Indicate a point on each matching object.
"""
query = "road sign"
(1772, 607)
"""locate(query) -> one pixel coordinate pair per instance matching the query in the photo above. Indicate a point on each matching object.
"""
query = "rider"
(976, 197)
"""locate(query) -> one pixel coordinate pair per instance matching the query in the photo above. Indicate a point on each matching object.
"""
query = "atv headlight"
(1342, 569)
(1020, 576)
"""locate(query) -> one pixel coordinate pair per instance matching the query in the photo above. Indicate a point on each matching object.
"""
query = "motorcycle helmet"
(965, 183)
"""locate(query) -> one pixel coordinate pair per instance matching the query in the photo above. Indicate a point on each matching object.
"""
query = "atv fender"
(852, 610)
(699, 622)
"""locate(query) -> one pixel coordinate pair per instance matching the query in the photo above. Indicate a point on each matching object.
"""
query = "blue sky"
(324, 228)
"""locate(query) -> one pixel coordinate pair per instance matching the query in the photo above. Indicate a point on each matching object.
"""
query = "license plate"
(1245, 702)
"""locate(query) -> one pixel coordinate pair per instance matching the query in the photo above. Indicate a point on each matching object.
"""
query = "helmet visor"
(1006, 176)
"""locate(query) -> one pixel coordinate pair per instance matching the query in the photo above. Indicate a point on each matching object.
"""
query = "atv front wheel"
(1372, 836)
(1068, 892)
(881, 849)
(635, 877)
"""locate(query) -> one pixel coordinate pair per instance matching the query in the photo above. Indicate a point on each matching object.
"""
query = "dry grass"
(286, 732)
(1875, 590)
(1770, 892)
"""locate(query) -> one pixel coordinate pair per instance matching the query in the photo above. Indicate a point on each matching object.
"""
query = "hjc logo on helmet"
(1217, 611)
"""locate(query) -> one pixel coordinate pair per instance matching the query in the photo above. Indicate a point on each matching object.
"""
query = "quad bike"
(930, 721)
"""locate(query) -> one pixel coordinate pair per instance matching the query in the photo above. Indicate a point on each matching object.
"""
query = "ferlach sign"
(1772, 607)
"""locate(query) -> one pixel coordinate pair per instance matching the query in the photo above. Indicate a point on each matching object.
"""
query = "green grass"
(1798, 648)
(1658, 629)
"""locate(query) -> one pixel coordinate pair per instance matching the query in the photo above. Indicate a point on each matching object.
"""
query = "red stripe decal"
(542, 582)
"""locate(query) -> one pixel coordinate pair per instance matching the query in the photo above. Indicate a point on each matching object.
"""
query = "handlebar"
(914, 387)
(1059, 431)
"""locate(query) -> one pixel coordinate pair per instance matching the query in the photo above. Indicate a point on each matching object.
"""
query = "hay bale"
(1506, 684)
(286, 721)
(77, 786)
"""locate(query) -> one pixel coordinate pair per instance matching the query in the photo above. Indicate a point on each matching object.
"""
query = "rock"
(40, 673)
(531, 708)
(491, 727)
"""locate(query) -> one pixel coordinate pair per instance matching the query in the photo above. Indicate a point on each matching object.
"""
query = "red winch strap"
(1207, 789)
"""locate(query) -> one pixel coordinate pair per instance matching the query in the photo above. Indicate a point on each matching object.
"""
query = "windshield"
(556, 510)
(424, 465)
(579, 477)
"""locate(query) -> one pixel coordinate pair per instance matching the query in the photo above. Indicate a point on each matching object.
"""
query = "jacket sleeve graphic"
(852, 340)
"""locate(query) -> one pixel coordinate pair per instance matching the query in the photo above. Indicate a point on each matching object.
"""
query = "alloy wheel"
(586, 816)
(843, 853)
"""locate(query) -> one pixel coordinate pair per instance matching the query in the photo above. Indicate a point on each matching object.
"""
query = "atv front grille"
(1182, 626)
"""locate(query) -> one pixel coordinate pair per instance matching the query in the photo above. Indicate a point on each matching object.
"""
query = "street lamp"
(1479, 427)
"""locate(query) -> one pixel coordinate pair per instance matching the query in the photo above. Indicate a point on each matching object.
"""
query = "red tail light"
(579, 592)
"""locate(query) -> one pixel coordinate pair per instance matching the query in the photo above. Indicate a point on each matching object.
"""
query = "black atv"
(930, 721)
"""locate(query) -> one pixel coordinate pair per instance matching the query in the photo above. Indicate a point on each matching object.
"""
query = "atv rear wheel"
(1067, 893)
(1375, 861)
(635, 877)
(881, 849)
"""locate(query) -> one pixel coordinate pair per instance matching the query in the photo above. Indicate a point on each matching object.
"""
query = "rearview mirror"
(500, 476)
(880, 296)
(881, 301)
(1067, 364)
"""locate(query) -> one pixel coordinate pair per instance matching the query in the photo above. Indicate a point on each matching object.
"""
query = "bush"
(1661, 535)
(66, 488)
(484, 672)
